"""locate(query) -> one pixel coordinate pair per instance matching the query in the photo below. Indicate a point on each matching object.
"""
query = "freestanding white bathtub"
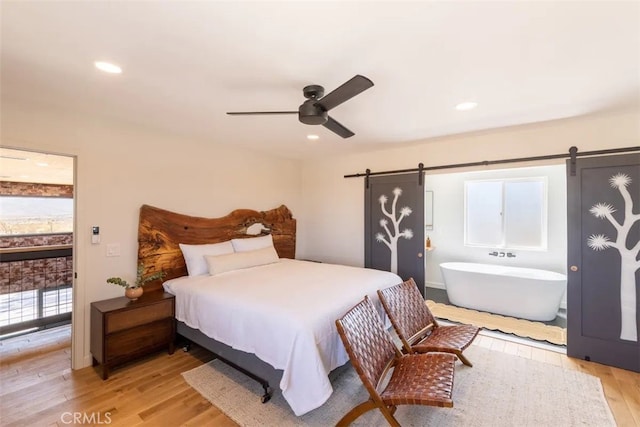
(526, 293)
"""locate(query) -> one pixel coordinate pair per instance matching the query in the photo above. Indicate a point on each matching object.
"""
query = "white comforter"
(285, 314)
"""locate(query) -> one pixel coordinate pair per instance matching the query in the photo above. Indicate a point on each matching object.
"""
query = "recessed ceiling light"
(108, 67)
(42, 164)
(464, 106)
(313, 137)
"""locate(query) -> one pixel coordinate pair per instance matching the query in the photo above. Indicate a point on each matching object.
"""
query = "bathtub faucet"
(494, 253)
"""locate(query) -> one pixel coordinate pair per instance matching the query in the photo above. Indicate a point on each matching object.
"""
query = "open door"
(604, 247)
(394, 225)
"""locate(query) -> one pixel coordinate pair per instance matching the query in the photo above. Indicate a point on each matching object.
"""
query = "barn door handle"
(573, 268)
(419, 254)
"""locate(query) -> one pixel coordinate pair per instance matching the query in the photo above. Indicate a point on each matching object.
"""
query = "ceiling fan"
(314, 110)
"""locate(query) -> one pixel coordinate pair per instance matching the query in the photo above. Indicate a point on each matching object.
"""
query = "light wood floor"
(38, 388)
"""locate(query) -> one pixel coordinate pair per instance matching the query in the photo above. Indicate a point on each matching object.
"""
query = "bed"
(274, 321)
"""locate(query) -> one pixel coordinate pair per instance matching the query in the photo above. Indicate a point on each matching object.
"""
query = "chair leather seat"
(421, 379)
(447, 339)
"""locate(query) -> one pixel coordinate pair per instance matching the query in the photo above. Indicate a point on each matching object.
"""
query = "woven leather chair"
(417, 328)
(416, 379)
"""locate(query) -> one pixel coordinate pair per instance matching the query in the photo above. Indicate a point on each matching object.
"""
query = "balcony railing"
(35, 287)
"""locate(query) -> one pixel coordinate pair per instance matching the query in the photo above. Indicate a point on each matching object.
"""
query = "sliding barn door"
(394, 225)
(604, 247)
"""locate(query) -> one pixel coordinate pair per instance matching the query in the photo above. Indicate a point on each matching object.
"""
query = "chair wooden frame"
(416, 326)
(422, 379)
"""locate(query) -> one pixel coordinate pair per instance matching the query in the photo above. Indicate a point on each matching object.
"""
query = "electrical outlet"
(113, 249)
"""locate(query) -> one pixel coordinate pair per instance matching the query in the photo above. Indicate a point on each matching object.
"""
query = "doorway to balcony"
(36, 241)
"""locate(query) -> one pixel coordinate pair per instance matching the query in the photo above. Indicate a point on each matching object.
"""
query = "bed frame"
(159, 234)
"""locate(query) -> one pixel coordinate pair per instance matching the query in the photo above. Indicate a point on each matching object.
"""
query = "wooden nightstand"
(122, 329)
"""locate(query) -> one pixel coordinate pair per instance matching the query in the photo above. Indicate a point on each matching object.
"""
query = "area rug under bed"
(499, 390)
(495, 322)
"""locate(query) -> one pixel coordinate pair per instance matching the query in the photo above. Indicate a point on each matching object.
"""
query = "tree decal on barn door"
(392, 242)
(628, 262)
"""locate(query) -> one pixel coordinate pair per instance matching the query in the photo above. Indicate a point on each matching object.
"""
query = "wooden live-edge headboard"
(160, 232)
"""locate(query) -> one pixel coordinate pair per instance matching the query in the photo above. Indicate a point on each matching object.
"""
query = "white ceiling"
(187, 63)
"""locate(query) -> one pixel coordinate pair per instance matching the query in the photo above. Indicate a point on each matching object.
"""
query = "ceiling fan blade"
(336, 127)
(345, 92)
(255, 113)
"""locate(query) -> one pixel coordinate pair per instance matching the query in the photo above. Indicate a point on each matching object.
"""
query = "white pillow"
(239, 260)
(194, 255)
(252, 243)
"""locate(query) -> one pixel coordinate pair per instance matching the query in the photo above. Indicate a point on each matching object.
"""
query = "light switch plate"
(113, 249)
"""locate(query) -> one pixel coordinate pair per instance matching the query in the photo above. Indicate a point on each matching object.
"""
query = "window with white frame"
(506, 213)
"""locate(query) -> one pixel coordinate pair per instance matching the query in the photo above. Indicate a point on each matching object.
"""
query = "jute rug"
(510, 325)
(499, 390)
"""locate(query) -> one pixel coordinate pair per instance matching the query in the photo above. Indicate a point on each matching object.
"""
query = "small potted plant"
(134, 291)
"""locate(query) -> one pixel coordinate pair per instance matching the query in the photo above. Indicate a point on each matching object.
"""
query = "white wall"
(332, 226)
(120, 167)
(447, 236)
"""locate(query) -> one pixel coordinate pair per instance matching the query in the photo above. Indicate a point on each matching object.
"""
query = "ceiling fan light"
(108, 67)
(311, 114)
(466, 106)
